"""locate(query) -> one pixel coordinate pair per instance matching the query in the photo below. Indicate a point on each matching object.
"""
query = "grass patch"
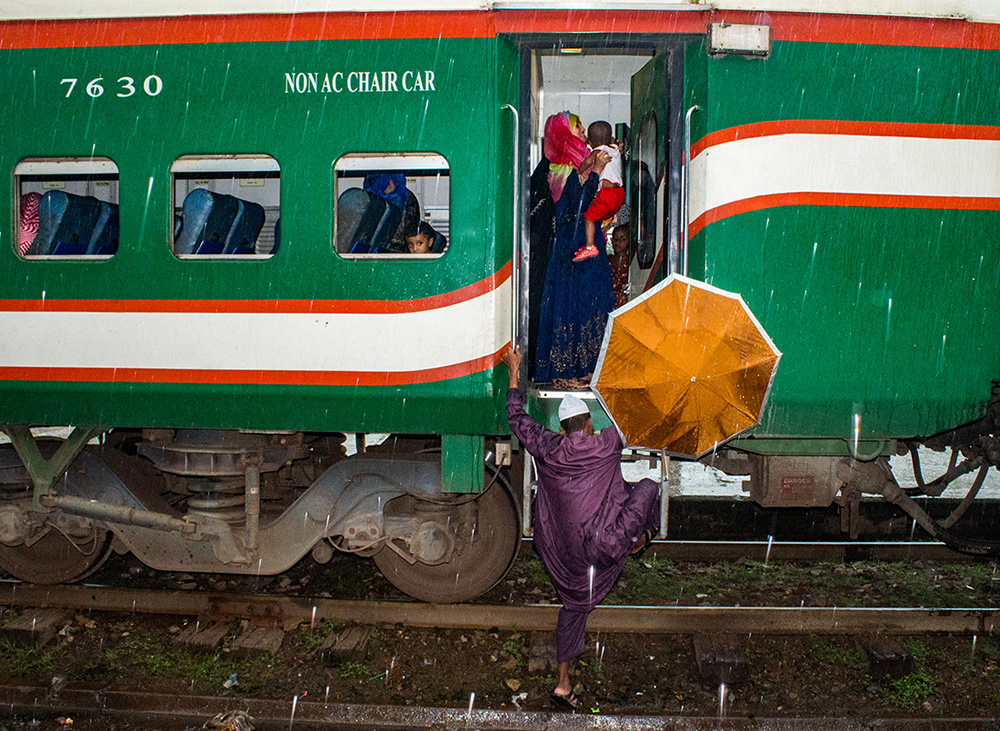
(311, 638)
(535, 571)
(153, 655)
(649, 580)
(515, 647)
(837, 654)
(353, 669)
(909, 691)
(26, 662)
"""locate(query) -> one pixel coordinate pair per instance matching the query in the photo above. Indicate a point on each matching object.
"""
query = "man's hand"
(512, 359)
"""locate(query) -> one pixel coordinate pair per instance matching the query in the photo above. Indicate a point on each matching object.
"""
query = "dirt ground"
(950, 677)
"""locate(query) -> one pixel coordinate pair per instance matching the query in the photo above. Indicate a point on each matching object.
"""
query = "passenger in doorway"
(619, 264)
(420, 238)
(576, 298)
(610, 193)
(587, 518)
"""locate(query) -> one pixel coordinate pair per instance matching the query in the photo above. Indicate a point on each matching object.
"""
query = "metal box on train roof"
(794, 482)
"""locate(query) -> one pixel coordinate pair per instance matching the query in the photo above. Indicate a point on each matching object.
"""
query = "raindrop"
(767, 554)
(291, 720)
(472, 699)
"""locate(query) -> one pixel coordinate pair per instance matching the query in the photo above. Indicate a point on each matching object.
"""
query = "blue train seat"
(351, 207)
(365, 223)
(69, 248)
(104, 241)
(439, 243)
(249, 222)
(386, 228)
(209, 247)
(209, 218)
(66, 224)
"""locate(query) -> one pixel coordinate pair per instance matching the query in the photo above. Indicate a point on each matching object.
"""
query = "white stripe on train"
(398, 342)
(741, 170)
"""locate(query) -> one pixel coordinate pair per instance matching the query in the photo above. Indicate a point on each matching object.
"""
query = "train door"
(654, 173)
(594, 83)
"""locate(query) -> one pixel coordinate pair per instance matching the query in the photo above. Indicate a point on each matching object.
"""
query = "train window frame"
(58, 173)
(425, 165)
(255, 169)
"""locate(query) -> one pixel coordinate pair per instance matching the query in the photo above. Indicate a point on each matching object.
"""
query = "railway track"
(93, 710)
(763, 550)
(285, 611)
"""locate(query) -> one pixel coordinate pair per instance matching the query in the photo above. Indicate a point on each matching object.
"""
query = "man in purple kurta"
(587, 518)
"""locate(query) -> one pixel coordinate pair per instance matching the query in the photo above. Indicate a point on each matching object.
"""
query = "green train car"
(202, 272)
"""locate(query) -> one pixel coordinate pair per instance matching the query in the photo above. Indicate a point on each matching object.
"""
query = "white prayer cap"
(572, 406)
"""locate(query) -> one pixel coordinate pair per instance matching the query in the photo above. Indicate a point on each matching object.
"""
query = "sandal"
(643, 543)
(571, 702)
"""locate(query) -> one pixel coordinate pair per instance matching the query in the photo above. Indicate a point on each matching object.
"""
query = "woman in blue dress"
(577, 296)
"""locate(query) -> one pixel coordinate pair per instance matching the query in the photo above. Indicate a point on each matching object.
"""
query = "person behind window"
(391, 187)
(29, 221)
(420, 237)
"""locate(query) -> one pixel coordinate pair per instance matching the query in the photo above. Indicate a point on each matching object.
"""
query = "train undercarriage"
(249, 503)
(258, 502)
(778, 480)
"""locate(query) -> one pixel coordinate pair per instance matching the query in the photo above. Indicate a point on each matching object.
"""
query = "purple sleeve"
(611, 439)
(535, 438)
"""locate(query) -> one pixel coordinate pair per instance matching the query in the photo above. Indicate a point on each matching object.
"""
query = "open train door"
(654, 173)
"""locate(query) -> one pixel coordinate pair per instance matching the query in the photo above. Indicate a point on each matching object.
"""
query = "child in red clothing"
(610, 193)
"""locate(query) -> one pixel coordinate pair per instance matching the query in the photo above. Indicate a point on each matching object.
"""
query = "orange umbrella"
(684, 367)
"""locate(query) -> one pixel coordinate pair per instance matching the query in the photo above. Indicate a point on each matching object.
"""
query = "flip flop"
(643, 543)
(569, 702)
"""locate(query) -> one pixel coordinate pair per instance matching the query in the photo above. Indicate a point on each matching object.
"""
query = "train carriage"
(204, 268)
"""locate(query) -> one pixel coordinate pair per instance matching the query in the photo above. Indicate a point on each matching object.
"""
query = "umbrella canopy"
(684, 367)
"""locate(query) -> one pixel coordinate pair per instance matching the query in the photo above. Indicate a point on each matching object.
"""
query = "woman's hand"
(601, 160)
(593, 163)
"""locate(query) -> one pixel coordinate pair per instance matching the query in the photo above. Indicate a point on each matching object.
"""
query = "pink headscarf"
(29, 221)
(564, 150)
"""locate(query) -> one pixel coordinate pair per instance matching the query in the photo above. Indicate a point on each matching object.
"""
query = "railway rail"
(171, 712)
(621, 619)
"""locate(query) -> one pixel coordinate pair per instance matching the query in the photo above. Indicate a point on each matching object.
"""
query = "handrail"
(686, 186)
(516, 228)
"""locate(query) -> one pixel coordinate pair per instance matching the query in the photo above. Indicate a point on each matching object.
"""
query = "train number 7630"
(152, 85)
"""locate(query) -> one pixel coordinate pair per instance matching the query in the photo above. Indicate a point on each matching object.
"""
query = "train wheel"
(475, 569)
(55, 558)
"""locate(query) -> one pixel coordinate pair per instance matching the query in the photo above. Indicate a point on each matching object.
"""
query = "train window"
(646, 231)
(394, 204)
(225, 206)
(66, 208)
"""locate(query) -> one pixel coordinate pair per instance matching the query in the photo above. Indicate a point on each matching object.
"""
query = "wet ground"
(950, 677)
